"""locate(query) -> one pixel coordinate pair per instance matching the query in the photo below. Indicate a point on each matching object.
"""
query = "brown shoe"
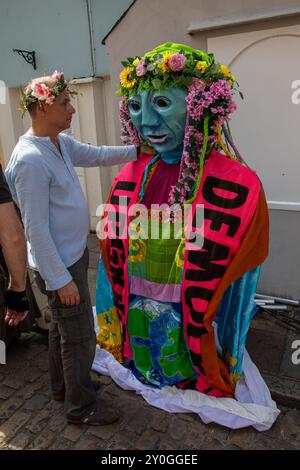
(97, 417)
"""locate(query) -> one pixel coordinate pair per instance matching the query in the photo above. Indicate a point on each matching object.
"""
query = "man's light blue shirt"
(46, 188)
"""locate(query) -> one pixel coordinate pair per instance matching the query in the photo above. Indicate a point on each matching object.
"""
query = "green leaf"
(156, 83)
(150, 67)
(125, 64)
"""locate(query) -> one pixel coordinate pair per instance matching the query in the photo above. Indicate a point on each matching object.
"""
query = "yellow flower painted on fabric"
(125, 82)
(136, 61)
(224, 70)
(201, 65)
(164, 66)
(179, 257)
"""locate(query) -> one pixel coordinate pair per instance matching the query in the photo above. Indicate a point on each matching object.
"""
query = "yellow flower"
(136, 61)
(201, 65)
(125, 82)
(232, 79)
(224, 70)
(164, 66)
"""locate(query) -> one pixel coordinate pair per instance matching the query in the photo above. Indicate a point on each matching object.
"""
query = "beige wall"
(229, 28)
(149, 23)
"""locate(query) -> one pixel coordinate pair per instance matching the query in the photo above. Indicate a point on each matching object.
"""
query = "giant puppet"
(175, 309)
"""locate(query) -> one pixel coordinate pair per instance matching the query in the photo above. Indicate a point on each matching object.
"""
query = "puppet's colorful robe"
(157, 298)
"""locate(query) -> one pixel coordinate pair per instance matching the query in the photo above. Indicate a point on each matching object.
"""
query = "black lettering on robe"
(219, 218)
(211, 251)
(124, 186)
(195, 292)
(212, 183)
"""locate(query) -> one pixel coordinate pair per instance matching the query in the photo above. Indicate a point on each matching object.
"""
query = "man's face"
(59, 113)
(159, 116)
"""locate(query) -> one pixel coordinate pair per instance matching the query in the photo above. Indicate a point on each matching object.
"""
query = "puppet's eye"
(162, 102)
(134, 105)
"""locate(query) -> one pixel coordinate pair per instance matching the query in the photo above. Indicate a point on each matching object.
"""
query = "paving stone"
(72, 433)
(166, 443)
(61, 444)
(10, 428)
(272, 345)
(37, 402)
(195, 436)
(243, 438)
(160, 422)
(289, 425)
(13, 382)
(104, 432)
(123, 441)
(177, 429)
(55, 406)
(212, 444)
(5, 391)
(43, 441)
(20, 441)
(33, 375)
(42, 363)
(8, 407)
(90, 443)
(219, 433)
(40, 421)
(57, 423)
(148, 440)
(137, 422)
(264, 443)
(30, 389)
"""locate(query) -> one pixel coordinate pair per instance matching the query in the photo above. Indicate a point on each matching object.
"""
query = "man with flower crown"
(174, 301)
(46, 188)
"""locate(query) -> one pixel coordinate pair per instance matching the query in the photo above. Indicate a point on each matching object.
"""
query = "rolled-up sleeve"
(86, 155)
(32, 190)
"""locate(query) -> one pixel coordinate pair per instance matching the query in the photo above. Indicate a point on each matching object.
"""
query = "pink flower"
(177, 62)
(57, 75)
(141, 68)
(39, 91)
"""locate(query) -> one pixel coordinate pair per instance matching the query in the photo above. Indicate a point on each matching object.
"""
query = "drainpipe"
(91, 33)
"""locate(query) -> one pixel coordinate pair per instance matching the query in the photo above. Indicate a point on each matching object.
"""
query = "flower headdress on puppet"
(209, 100)
(44, 90)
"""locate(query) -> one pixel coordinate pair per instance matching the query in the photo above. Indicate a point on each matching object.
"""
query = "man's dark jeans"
(72, 343)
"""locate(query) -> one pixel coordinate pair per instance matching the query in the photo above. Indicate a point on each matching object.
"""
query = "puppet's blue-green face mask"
(159, 116)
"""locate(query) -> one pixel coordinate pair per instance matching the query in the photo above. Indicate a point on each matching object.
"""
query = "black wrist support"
(17, 301)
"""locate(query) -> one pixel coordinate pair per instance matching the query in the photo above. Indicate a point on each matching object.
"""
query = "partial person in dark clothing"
(14, 304)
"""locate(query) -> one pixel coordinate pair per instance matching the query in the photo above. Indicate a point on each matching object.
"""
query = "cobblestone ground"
(29, 419)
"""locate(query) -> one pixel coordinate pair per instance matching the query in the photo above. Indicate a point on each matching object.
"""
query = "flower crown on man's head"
(170, 65)
(39, 91)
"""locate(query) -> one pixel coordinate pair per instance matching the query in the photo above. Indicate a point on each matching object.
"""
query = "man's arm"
(13, 244)
(86, 155)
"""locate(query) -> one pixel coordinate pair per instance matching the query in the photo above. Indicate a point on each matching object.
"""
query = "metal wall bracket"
(29, 56)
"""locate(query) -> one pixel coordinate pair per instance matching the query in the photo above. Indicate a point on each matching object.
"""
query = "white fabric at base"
(252, 406)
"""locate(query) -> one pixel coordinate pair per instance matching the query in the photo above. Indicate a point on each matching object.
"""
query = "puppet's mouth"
(156, 139)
